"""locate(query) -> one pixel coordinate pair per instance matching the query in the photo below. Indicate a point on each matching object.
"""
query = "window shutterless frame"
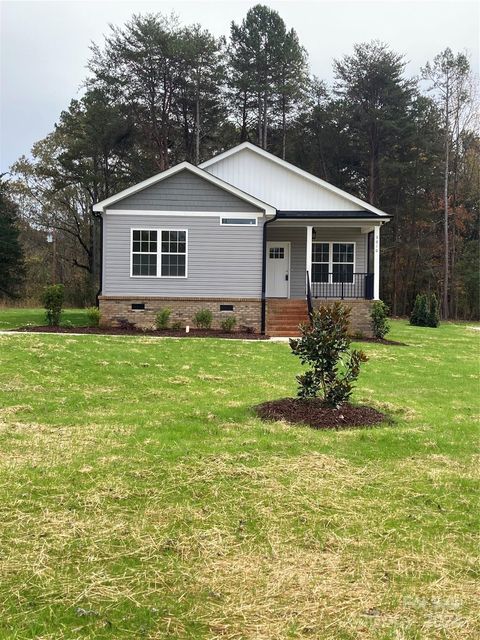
(158, 252)
(238, 221)
(330, 262)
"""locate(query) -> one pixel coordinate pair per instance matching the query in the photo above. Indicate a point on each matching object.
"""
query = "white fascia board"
(192, 214)
(324, 222)
(101, 206)
(294, 169)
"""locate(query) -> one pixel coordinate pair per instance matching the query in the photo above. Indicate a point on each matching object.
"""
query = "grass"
(12, 317)
(141, 498)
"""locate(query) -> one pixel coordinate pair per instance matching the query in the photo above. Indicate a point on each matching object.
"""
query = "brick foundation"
(360, 320)
(117, 309)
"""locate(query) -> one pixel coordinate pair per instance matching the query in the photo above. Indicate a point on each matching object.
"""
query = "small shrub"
(93, 316)
(177, 325)
(163, 318)
(203, 319)
(228, 324)
(380, 324)
(425, 311)
(325, 346)
(419, 314)
(52, 300)
(433, 312)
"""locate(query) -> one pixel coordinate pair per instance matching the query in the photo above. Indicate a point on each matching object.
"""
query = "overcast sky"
(45, 45)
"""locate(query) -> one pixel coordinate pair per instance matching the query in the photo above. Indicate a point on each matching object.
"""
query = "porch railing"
(358, 285)
(309, 297)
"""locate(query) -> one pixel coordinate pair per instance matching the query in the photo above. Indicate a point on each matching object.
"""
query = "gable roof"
(295, 170)
(184, 166)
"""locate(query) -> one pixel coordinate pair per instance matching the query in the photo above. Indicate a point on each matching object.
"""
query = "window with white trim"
(159, 253)
(174, 254)
(342, 261)
(144, 252)
(320, 261)
(333, 261)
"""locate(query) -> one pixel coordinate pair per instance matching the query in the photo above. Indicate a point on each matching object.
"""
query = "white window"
(320, 261)
(174, 254)
(239, 221)
(159, 253)
(342, 261)
(333, 261)
(144, 252)
(276, 253)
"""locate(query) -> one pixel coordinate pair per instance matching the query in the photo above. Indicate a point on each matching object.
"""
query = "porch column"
(376, 262)
(309, 251)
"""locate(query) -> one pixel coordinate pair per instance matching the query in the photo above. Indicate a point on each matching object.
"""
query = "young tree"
(448, 76)
(11, 255)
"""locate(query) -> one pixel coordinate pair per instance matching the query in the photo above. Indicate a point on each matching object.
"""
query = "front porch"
(312, 262)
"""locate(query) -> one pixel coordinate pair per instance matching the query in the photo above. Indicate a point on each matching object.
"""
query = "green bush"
(325, 346)
(419, 315)
(203, 319)
(177, 325)
(425, 311)
(228, 324)
(93, 316)
(52, 299)
(163, 318)
(379, 315)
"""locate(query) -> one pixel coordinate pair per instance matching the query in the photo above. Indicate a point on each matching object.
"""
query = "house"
(244, 233)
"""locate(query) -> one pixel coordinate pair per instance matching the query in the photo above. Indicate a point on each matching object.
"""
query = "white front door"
(278, 269)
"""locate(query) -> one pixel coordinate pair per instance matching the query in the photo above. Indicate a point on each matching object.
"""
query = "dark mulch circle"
(380, 341)
(314, 414)
(120, 331)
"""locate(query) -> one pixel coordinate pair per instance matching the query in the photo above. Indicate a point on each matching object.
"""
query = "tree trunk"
(284, 127)
(197, 131)
(244, 131)
(265, 122)
(373, 166)
(260, 129)
(445, 211)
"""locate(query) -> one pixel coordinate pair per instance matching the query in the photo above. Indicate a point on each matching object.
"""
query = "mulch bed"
(120, 331)
(380, 341)
(314, 414)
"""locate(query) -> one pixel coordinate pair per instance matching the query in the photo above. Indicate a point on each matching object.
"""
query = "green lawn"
(11, 317)
(140, 497)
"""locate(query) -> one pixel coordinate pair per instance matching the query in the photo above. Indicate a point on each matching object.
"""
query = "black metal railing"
(309, 297)
(357, 285)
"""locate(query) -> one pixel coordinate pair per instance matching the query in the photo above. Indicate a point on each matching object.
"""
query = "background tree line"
(158, 92)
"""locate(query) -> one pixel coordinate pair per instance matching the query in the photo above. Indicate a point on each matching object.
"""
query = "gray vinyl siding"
(185, 191)
(297, 236)
(222, 260)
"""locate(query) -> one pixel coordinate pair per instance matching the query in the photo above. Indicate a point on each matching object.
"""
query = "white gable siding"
(277, 185)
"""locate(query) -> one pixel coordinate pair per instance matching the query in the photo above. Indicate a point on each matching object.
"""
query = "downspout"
(100, 266)
(264, 273)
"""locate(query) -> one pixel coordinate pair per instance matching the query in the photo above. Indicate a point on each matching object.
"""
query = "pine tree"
(11, 255)
(267, 72)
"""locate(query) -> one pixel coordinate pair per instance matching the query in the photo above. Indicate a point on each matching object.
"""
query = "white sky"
(44, 46)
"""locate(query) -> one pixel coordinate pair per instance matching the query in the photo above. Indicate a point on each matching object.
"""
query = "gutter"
(264, 272)
(100, 266)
